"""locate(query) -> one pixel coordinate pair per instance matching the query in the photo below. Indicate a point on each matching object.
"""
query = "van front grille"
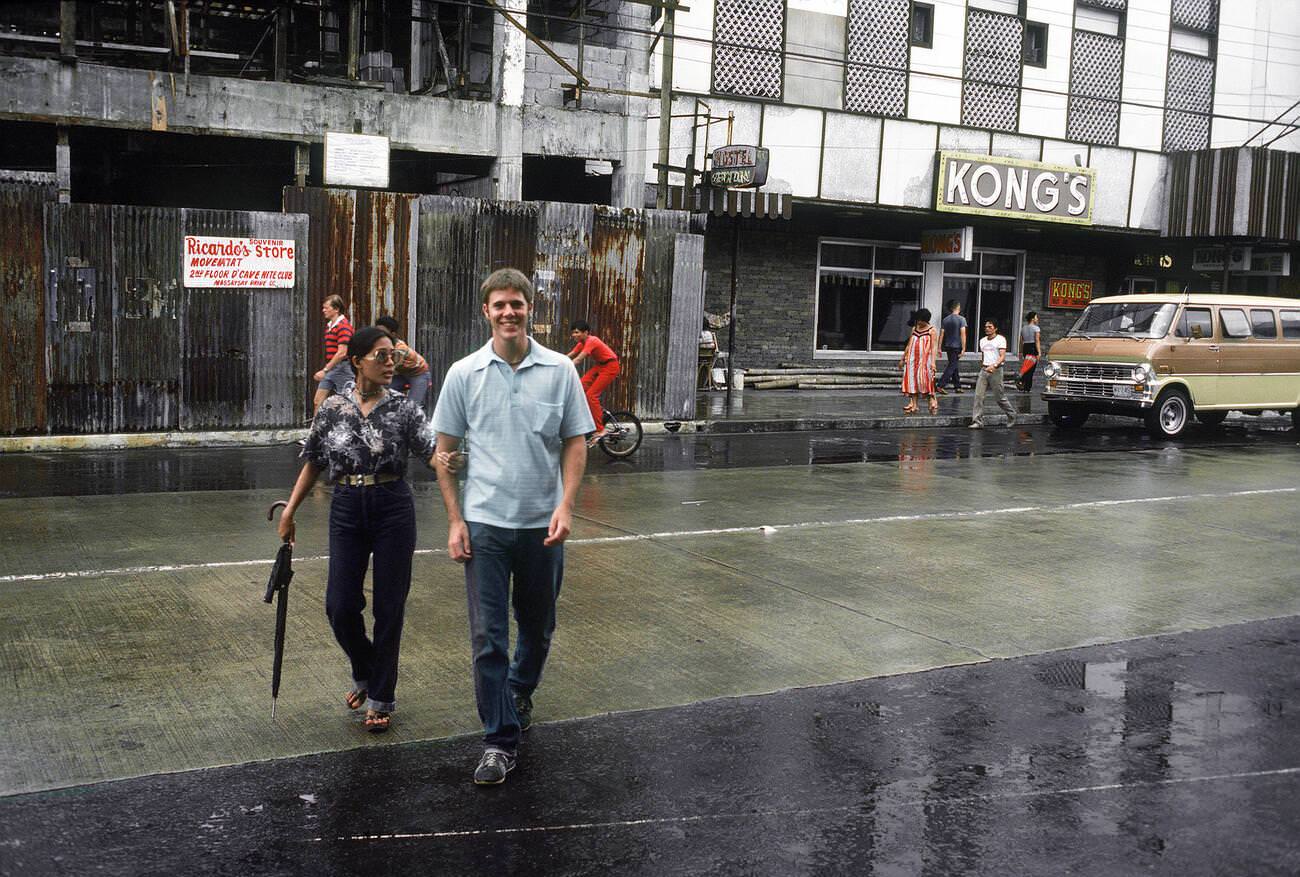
(1085, 388)
(1096, 371)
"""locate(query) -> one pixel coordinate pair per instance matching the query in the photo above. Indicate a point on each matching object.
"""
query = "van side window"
(1196, 317)
(1234, 323)
(1263, 323)
(1291, 324)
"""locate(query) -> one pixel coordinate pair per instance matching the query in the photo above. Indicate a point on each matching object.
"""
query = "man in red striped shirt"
(338, 332)
(604, 368)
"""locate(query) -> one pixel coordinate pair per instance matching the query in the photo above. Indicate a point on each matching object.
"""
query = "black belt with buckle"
(368, 480)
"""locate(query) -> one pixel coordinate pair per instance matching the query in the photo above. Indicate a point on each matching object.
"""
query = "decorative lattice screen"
(1113, 5)
(1202, 15)
(875, 75)
(1096, 72)
(990, 95)
(1189, 100)
(748, 37)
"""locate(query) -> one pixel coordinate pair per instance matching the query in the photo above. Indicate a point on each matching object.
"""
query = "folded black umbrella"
(277, 588)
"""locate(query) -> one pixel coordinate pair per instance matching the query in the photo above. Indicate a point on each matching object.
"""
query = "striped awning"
(732, 202)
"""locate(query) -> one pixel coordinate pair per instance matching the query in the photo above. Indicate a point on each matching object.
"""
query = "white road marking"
(678, 534)
(813, 811)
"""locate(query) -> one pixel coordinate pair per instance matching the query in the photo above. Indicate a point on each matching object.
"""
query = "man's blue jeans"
(953, 371)
(497, 554)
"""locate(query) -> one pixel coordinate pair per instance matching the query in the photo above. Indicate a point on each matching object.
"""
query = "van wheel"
(1169, 416)
(1211, 418)
(1066, 415)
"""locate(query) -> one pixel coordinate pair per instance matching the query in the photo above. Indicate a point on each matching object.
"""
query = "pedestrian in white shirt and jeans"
(993, 348)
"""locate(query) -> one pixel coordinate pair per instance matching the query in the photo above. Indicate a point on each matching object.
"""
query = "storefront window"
(985, 287)
(865, 293)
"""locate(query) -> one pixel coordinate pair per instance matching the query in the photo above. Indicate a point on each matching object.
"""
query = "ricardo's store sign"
(245, 263)
(1065, 293)
(996, 186)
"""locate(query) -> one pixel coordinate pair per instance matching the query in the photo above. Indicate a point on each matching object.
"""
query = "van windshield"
(1126, 319)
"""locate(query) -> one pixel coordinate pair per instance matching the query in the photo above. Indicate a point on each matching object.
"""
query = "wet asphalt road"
(1169, 755)
(1174, 754)
(99, 473)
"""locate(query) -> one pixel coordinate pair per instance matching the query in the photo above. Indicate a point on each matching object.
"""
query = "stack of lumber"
(792, 376)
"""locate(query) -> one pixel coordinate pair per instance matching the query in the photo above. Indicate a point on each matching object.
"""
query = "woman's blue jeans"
(376, 521)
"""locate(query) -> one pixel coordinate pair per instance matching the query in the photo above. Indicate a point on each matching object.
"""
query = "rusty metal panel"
(278, 342)
(331, 247)
(22, 307)
(662, 229)
(79, 318)
(562, 271)
(614, 306)
(384, 228)
(686, 320)
(146, 244)
(507, 236)
(216, 385)
(448, 324)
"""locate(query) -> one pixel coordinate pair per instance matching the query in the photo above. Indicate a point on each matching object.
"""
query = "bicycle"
(623, 434)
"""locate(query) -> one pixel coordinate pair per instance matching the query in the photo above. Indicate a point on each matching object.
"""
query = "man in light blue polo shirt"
(521, 409)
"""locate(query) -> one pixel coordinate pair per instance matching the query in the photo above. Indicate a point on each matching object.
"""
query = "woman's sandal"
(934, 405)
(377, 722)
(909, 409)
(355, 698)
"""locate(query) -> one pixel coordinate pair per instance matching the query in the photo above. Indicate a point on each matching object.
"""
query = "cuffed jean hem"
(380, 706)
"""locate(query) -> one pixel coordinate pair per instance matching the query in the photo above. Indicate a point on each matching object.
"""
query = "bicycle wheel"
(623, 434)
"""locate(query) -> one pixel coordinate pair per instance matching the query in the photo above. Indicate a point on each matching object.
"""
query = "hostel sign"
(238, 263)
(993, 185)
(737, 167)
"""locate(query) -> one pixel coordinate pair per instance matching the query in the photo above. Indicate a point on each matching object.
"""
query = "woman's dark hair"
(389, 323)
(364, 340)
(922, 315)
(580, 326)
(1029, 316)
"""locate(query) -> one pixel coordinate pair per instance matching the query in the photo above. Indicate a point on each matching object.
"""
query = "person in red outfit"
(603, 370)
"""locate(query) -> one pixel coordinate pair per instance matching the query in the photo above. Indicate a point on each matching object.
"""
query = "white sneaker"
(975, 424)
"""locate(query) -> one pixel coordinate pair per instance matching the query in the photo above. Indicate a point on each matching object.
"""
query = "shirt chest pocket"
(545, 417)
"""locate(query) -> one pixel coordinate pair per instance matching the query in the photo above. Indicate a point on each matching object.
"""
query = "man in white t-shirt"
(993, 348)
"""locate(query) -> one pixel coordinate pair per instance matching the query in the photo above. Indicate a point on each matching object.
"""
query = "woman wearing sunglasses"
(361, 437)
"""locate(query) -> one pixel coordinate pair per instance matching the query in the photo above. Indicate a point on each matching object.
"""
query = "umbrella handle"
(270, 513)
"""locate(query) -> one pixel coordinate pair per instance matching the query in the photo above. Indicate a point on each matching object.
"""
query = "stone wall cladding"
(1042, 266)
(544, 79)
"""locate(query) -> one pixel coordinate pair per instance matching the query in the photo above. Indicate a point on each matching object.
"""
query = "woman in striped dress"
(918, 363)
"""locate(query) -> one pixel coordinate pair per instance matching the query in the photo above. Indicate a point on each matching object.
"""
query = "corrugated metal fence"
(101, 335)
(131, 349)
(617, 269)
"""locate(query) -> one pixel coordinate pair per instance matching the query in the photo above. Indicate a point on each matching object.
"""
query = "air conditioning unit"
(1238, 258)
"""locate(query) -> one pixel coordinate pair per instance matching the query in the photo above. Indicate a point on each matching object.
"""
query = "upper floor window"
(1034, 48)
(748, 37)
(922, 26)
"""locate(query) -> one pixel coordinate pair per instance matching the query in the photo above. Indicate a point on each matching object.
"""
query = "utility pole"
(665, 105)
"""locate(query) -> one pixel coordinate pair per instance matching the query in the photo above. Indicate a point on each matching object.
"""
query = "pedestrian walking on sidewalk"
(361, 438)
(337, 373)
(411, 371)
(917, 363)
(952, 340)
(993, 353)
(1030, 345)
(522, 408)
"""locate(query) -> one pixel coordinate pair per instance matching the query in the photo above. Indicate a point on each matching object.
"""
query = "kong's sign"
(996, 186)
(947, 244)
(247, 263)
(1065, 293)
(737, 167)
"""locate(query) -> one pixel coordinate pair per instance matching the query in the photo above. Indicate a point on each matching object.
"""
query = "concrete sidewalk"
(799, 410)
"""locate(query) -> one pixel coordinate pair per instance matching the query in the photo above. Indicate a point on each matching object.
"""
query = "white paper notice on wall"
(238, 263)
(356, 160)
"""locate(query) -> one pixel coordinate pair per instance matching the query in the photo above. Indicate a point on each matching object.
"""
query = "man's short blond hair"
(508, 278)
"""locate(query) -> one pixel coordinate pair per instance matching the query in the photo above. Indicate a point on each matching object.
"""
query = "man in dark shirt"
(952, 340)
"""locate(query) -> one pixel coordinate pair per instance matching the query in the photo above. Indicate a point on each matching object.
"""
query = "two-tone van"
(1167, 358)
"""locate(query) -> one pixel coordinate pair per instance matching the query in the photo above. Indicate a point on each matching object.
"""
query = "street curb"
(131, 440)
(942, 421)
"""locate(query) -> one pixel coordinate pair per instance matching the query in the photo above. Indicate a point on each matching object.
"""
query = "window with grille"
(1189, 100)
(1096, 75)
(875, 70)
(990, 96)
(1198, 15)
(865, 294)
(747, 41)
